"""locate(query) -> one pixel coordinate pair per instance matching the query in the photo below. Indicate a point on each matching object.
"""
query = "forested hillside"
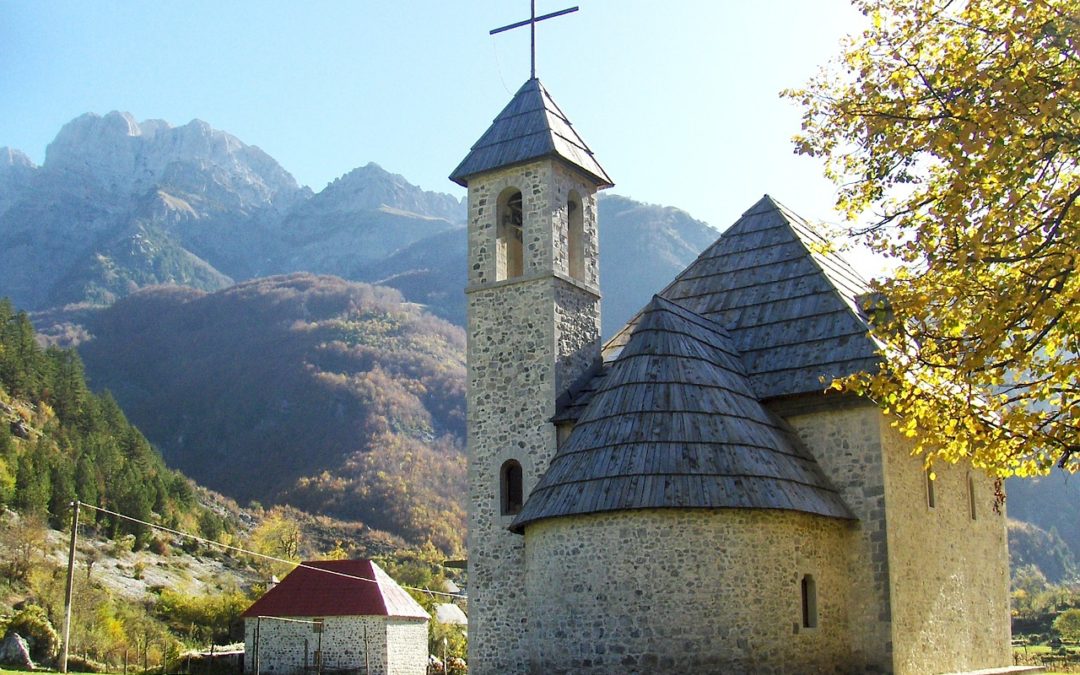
(1051, 502)
(60, 442)
(1030, 545)
(332, 396)
(141, 593)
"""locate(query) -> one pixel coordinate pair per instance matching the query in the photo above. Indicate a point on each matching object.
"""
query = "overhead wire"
(264, 556)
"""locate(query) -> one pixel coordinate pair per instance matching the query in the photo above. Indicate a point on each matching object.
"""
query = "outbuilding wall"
(406, 646)
(686, 591)
(384, 645)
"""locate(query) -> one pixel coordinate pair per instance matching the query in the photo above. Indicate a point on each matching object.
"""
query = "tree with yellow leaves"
(956, 124)
(279, 539)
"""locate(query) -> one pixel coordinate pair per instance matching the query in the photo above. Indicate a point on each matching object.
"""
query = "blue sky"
(679, 100)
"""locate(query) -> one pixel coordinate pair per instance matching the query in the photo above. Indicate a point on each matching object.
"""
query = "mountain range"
(120, 205)
(244, 321)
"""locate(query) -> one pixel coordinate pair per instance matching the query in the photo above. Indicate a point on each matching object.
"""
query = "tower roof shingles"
(674, 423)
(530, 127)
(675, 418)
(788, 300)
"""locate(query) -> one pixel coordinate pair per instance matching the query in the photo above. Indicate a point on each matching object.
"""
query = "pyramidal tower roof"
(787, 298)
(530, 127)
(675, 423)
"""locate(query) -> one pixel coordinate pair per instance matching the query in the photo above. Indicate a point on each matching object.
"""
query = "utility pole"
(70, 586)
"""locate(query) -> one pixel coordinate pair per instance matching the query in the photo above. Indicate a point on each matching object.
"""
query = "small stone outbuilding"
(345, 615)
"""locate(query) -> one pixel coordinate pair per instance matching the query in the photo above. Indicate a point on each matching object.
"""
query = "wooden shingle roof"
(337, 588)
(675, 423)
(530, 127)
(787, 299)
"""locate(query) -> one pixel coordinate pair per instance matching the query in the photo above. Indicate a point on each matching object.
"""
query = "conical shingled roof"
(674, 423)
(788, 301)
(530, 127)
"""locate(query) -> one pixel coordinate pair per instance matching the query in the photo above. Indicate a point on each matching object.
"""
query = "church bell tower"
(533, 333)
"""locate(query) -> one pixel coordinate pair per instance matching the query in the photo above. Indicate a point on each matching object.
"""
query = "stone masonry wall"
(285, 647)
(666, 591)
(950, 574)
(545, 188)
(529, 337)
(929, 586)
(847, 445)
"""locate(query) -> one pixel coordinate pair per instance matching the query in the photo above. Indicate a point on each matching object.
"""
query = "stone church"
(686, 498)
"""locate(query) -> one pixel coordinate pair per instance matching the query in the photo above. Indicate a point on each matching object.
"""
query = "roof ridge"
(694, 316)
(547, 95)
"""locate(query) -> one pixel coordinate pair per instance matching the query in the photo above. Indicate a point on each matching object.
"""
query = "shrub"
(32, 623)
(1067, 624)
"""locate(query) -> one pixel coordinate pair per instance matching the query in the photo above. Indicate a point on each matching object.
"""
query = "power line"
(228, 547)
(286, 619)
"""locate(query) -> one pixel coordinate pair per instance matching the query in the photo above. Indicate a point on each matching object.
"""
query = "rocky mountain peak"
(13, 160)
(16, 172)
(371, 187)
(126, 157)
(89, 136)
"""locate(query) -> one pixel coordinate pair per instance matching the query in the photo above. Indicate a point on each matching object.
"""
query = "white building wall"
(406, 646)
(385, 646)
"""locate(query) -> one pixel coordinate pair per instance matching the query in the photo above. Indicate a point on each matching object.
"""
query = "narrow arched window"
(809, 602)
(509, 233)
(575, 236)
(510, 487)
(971, 495)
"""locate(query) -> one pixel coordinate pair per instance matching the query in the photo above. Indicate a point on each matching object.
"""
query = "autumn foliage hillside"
(332, 396)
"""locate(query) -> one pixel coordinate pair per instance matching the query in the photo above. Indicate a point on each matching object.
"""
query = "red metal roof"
(337, 588)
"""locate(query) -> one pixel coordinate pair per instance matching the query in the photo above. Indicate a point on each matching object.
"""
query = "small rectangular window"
(930, 500)
(317, 625)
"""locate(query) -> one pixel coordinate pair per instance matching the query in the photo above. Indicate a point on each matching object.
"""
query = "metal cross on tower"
(531, 22)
